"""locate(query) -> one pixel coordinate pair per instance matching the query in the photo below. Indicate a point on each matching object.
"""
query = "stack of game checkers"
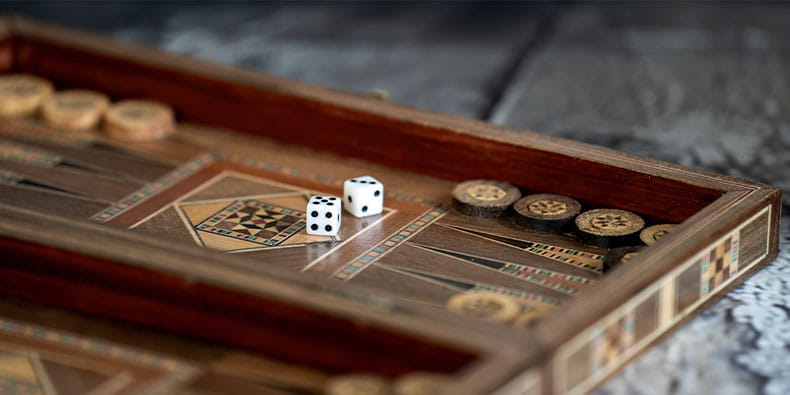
(139, 120)
(607, 228)
(22, 94)
(75, 109)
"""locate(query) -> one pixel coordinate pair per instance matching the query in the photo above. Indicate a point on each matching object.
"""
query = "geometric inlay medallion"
(255, 221)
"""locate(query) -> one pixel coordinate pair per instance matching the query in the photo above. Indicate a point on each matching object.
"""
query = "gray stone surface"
(703, 85)
(449, 57)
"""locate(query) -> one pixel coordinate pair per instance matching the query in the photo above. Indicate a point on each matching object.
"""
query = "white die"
(363, 196)
(323, 215)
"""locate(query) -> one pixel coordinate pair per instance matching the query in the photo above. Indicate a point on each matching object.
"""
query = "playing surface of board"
(242, 196)
(168, 192)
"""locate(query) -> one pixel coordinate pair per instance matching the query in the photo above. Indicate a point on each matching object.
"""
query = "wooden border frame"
(716, 206)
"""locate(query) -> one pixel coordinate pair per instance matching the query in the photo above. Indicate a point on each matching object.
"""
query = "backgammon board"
(184, 263)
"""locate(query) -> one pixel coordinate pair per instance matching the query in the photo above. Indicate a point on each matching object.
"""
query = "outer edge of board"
(668, 315)
(711, 222)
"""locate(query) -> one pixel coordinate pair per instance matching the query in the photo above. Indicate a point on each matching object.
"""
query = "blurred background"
(705, 85)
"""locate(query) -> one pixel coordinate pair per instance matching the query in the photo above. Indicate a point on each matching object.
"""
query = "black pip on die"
(363, 196)
(323, 215)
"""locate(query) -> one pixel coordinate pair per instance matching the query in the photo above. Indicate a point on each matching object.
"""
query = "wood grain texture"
(411, 257)
(166, 303)
(108, 189)
(413, 49)
(202, 100)
(711, 205)
(456, 240)
(115, 163)
(218, 365)
(50, 202)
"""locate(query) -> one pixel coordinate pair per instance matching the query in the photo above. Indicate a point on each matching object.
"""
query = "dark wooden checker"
(202, 234)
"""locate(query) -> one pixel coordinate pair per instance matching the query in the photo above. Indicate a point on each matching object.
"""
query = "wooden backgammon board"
(172, 256)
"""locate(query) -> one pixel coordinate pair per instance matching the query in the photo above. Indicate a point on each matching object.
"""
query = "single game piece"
(546, 212)
(74, 109)
(484, 198)
(139, 120)
(609, 227)
(323, 215)
(651, 234)
(363, 196)
(421, 383)
(489, 306)
(358, 384)
(618, 256)
(22, 94)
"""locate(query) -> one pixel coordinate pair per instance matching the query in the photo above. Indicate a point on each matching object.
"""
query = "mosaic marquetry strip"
(153, 188)
(581, 259)
(565, 283)
(562, 282)
(9, 177)
(565, 259)
(308, 175)
(277, 168)
(33, 130)
(180, 370)
(719, 264)
(351, 269)
(593, 354)
(568, 251)
(610, 343)
(15, 152)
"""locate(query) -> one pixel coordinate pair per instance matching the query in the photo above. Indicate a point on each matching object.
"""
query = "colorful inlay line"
(336, 182)
(557, 257)
(14, 152)
(565, 283)
(157, 186)
(181, 369)
(9, 177)
(351, 269)
(568, 251)
(32, 130)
